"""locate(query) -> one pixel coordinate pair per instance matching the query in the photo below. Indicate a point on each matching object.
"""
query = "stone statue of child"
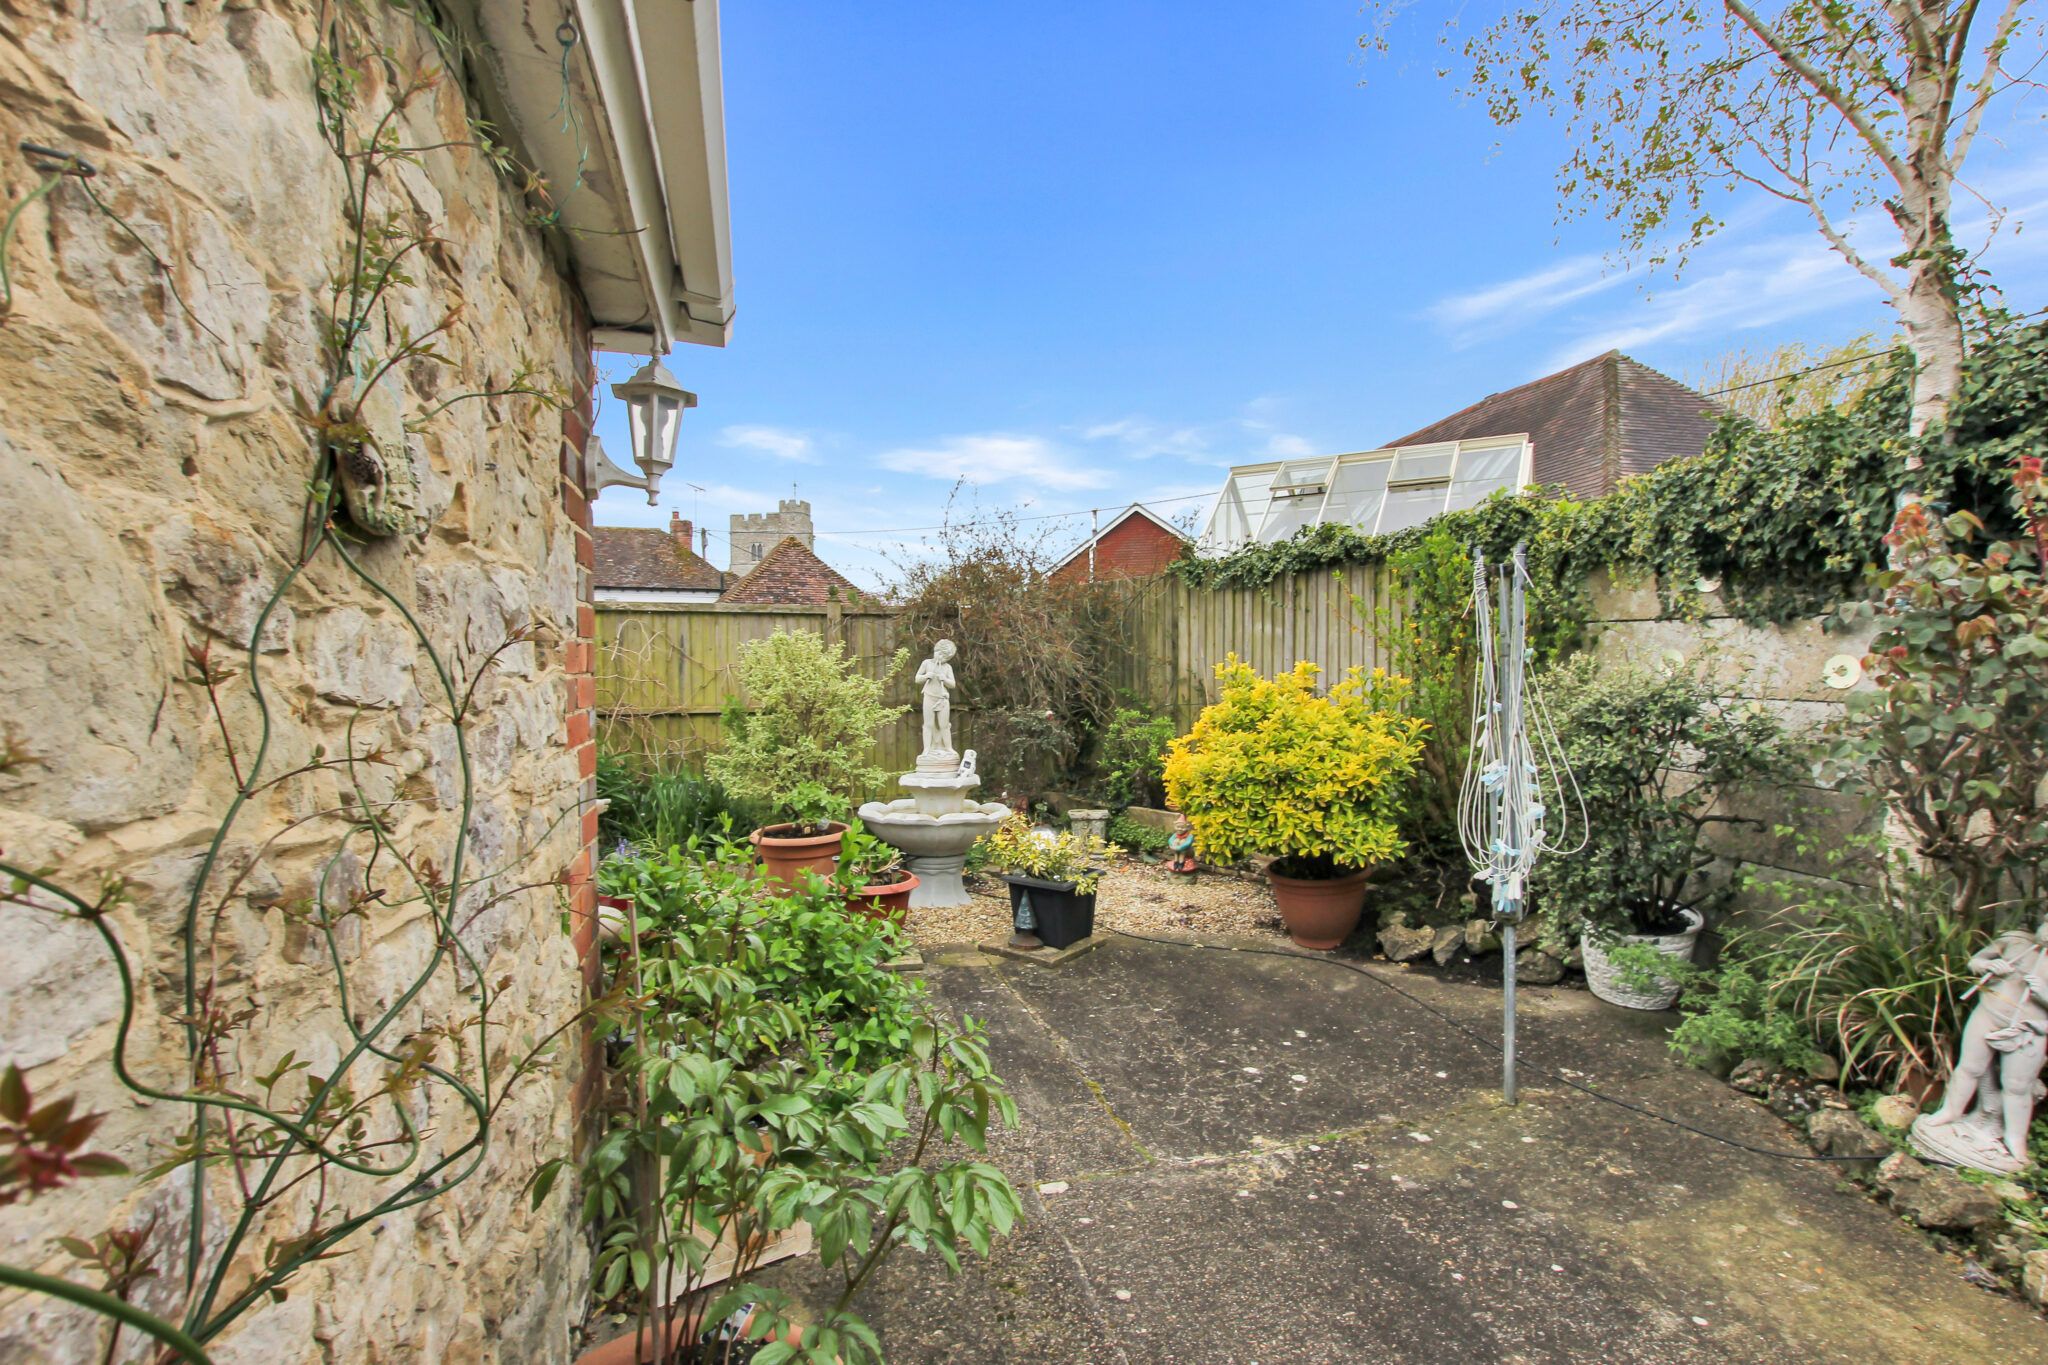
(2009, 1026)
(935, 675)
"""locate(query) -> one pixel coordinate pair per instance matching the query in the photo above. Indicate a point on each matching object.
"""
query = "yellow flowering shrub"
(1317, 781)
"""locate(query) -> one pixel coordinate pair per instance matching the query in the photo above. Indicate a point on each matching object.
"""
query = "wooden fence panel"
(664, 672)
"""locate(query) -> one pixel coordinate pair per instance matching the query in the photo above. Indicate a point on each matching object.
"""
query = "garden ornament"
(378, 470)
(1024, 925)
(1180, 847)
(937, 823)
(1517, 796)
(1982, 1122)
(936, 676)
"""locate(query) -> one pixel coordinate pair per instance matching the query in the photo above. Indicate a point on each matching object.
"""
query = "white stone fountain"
(936, 824)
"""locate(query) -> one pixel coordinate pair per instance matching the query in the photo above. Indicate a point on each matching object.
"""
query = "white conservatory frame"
(1372, 491)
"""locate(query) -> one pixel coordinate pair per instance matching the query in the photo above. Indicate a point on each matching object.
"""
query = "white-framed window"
(1374, 491)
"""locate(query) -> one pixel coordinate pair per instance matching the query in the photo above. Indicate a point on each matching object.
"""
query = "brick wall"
(1136, 547)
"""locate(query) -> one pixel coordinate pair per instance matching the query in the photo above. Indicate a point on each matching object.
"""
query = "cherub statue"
(2008, 1027)
(935, 675)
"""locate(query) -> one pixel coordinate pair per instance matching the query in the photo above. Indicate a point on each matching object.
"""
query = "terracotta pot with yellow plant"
(1316, 781)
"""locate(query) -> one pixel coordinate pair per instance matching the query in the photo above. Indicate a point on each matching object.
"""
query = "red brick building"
(1137, 544)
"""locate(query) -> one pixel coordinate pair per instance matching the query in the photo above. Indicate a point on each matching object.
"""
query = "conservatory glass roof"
(1373, 491)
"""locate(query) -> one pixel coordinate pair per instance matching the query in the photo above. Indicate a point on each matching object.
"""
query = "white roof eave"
(633, 151)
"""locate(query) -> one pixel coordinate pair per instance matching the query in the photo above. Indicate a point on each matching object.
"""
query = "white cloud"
(1283, 445)
(1515, 303)
(994, 457)
(1766, 268)
(1142, 438)
(783, 444)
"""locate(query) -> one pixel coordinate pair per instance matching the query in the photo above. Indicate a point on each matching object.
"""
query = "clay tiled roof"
(647, 557)
(1591, 425)
(791, 576)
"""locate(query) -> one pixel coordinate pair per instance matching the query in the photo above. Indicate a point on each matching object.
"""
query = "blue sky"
(1089, 254)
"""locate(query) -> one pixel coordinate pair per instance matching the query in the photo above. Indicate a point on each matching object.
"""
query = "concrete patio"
(1233, 1157)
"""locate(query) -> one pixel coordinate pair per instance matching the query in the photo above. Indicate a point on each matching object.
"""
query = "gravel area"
(1138, 896)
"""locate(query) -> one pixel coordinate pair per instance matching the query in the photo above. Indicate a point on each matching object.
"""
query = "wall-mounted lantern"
(654, 417)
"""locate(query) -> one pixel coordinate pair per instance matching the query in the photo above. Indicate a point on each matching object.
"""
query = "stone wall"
(1779, 667)
(155, 474)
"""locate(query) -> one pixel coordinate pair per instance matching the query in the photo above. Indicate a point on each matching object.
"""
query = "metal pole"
(1507, 1028)
(1511, 728)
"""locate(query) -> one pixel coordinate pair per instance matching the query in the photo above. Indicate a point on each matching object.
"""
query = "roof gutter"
(668, 136)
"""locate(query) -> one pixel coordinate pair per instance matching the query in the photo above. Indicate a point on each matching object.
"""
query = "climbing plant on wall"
(283, 1161)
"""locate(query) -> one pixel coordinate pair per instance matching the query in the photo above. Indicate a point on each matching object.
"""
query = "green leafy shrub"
(1877, 975)
(1136, 835)
(1872, 976)
(810, 955)
(1427, 630)
(744, 1114)
(865, 860)
(1036, 651)
(1954, 736)
(1318, 781)
(801, 739)
(657, 808)
(1652, 752)
(1130, 757)
(1733, 1014)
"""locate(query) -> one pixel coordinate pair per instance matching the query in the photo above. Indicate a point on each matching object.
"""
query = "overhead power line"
(1036, 516)
(1862, 358)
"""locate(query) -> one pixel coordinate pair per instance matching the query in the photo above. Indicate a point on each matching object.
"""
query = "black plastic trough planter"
(1064, 916)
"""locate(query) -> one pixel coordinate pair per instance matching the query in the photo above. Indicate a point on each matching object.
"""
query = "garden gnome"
(1180, 847)
(935, 675)
(1982, 1122)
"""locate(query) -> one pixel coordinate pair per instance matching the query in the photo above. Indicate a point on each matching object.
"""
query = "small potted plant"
(1652, 750)
(1058, 871)
(873, 876)
(1315, 781)
(801, 741)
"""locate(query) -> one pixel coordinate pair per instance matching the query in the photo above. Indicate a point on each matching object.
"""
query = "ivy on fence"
(1785, 520)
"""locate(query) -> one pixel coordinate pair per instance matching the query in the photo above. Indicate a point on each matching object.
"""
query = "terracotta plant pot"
(785, 856)
(1319, 912)
(884, 901)
(621, 1350)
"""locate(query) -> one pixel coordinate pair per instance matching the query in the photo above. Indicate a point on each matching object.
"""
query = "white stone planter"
(1606, 980)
